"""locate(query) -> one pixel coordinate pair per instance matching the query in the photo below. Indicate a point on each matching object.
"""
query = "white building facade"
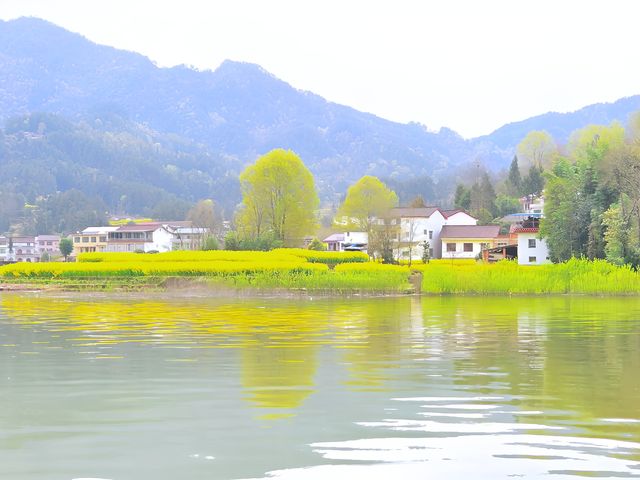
(532, 250)
(468, 241)
(425, 224)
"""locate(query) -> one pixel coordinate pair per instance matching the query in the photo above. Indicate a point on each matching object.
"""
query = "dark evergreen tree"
(514, 179)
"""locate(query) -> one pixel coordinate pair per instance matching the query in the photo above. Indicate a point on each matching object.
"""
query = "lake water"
(133, 387)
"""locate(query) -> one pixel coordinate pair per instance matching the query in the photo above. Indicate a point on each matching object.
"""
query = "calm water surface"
(130, 388)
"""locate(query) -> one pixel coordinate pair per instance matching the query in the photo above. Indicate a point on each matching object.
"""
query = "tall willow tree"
(279, 198)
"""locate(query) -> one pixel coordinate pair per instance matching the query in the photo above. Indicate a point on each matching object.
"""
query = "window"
(424, 231)
(41, 242)
(467, 247)
(431, 253)
(451, 247)
(532, 243)
(484, 245)
(103, 239)
(430, 234)
(49, 243)
(93, 239)
(532, 259)
(76, 239)
(85, 239)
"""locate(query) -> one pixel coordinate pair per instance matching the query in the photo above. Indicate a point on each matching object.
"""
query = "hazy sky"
(471, 65)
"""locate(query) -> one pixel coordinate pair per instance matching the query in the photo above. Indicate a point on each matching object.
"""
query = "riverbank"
(292, 271)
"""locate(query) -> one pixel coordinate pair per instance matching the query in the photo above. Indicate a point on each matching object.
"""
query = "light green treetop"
(592, 142)
(536, 148)
(279, 198)
(366, 199)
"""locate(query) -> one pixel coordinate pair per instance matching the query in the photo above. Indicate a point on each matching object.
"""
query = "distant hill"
(560, 125)
(182, 133)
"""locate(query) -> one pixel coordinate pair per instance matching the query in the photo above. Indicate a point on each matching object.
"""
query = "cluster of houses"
(454, 234)
(448, 234)
(29, 248)
(141, 237)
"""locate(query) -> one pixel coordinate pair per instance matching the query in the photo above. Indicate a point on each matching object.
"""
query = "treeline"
(591, 190)
(56, 174)
(592, 195)
(490, 199)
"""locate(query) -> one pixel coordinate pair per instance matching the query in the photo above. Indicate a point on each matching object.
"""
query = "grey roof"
(470, 231)
(336, 237)
(413, 211)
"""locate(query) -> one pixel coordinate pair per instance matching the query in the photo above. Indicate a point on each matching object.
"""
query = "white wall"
(356, 237)
(421, 228)
(540, 251)
(162, 241)
(460, 253)
(461, 218)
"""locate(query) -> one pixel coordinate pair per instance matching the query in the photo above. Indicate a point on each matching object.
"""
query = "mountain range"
(185, 134)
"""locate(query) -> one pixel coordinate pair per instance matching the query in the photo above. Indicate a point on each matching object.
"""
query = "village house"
(468, 241)
(188, 238)
(24, 249)
(92, 239)
(424, 224)
(4, 246)
(149, 237)
(347, 242)
(532, 250)
(49, 244)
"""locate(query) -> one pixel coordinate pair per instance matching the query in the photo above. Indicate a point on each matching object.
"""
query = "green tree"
(563, 224)
(317, 245)
(506, 205)
(462, 198)
(279, 198)
(616, 235)
(209, 243)
(537, 149)
(533, 183)
(426, 252)
(66, 247)
(513, 182)
(483, 199)
(367, 200)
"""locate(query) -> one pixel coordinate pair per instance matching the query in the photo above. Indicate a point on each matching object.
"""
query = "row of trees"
(280, 203)
(592, 195)
(488, 200)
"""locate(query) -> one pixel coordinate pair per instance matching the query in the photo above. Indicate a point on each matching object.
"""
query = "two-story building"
(92, 239)
(148, 237)
(188, 238)
(532, 250)
(4, 247)
(24, 249)
(49, 244)
(424, 224)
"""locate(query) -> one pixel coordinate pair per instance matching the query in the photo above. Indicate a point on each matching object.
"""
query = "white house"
(468, 241)
(347, 242)
(4, 246)
(531, 249)
(142, 237)
(425, 224)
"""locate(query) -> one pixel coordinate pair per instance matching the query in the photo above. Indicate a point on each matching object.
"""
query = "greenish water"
(133, 387)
